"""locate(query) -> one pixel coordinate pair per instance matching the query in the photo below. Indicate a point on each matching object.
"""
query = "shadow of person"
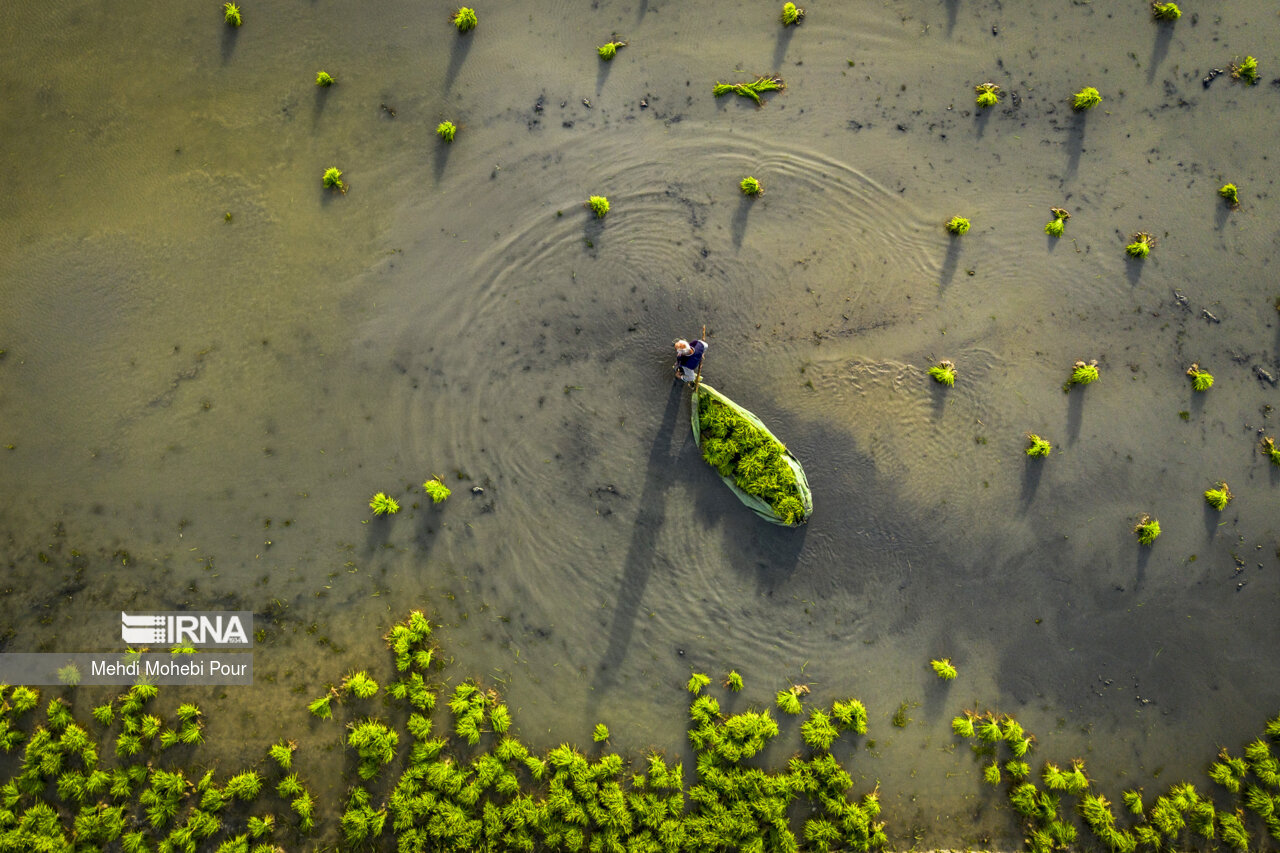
(1075, 414)
(1075, 141)
(738, 228)
(642, 556)
(780, 47)
(457, 55)
(1159, 50)
(949, 264)
(230, 35)
(1032, 471)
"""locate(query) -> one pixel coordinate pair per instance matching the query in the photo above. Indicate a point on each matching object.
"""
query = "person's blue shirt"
(693, 359)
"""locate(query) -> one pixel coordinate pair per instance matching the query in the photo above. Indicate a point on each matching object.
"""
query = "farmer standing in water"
(688, 357)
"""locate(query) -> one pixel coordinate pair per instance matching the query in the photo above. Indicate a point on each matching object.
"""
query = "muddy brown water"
(199, 409)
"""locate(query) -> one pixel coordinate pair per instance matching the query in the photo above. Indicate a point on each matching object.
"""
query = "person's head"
(682, 347)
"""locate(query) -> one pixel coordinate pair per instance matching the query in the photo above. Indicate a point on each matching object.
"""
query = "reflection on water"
(215, 399)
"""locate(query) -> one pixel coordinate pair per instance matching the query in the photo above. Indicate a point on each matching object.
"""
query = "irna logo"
(191, 628)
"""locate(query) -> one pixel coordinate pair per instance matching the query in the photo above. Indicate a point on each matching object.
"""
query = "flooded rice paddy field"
(197, 408)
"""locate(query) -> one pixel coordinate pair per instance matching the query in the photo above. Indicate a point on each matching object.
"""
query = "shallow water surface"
(198, 406)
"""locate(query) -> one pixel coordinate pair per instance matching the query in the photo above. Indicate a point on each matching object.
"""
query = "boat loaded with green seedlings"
(1054, 227)
(988, 95)
(1219, 496)
(333, 179)
(598, 204)
(751, 460)
(381, 504)
(1165, 11)
(751, 186)
(944, 373)
(436, 489)
(609, 49)
(943, 669)
(1082, 374)
(1037, 447)
(1201, 380)
(1246, 70)
(464, 19)
(1231, 193)
(1086, 99)
(1147, 529)
(957, 225)
(752, 90)
(1141, 245)
(446, 130)
(791, 15)
(1269, 448)
(324, 79)
(231, 14)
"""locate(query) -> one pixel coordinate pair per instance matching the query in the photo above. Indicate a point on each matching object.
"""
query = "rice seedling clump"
(1165, 11)
(1231, 193)
(944, 373)
(1246, 70)
(752, 90)
(791, 15)
(1086, 99)
(324, 79)
(1054, 227)
(231, 14)
(751, 186)
(599, 205)
(446, 130)
(1201, 380)
(1147, 529)
(464, 19)
(609, 49)
(957, 225)
(750, 457)
(988, 95)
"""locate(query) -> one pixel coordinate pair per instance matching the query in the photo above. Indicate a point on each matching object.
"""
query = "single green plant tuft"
(991, 773)
(1037, 447)
(383, 505)
(599, 205)
(697, 681)
(1141, 245)
(944, 669)
(320, 707)
(1083, 374)
(609, 49)
(752, 90)
(437, 490)
(282, 753)
(733, 681)
(1219, 496)
(1246, 71)
(901, 717)
(446, 130)
(1165, 11)
(1086, 99)
(957, 225)
(464, 19)
(1231, 193)
(944, 373)
(601, 734)
(988, 95)
(324, 79)
(789, 700)
(1054, 227)
(1147, 529)
(231, 14)
(791, 15)
(1201, 380)
(751, 186)
(333, 179)
(1270, 449)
